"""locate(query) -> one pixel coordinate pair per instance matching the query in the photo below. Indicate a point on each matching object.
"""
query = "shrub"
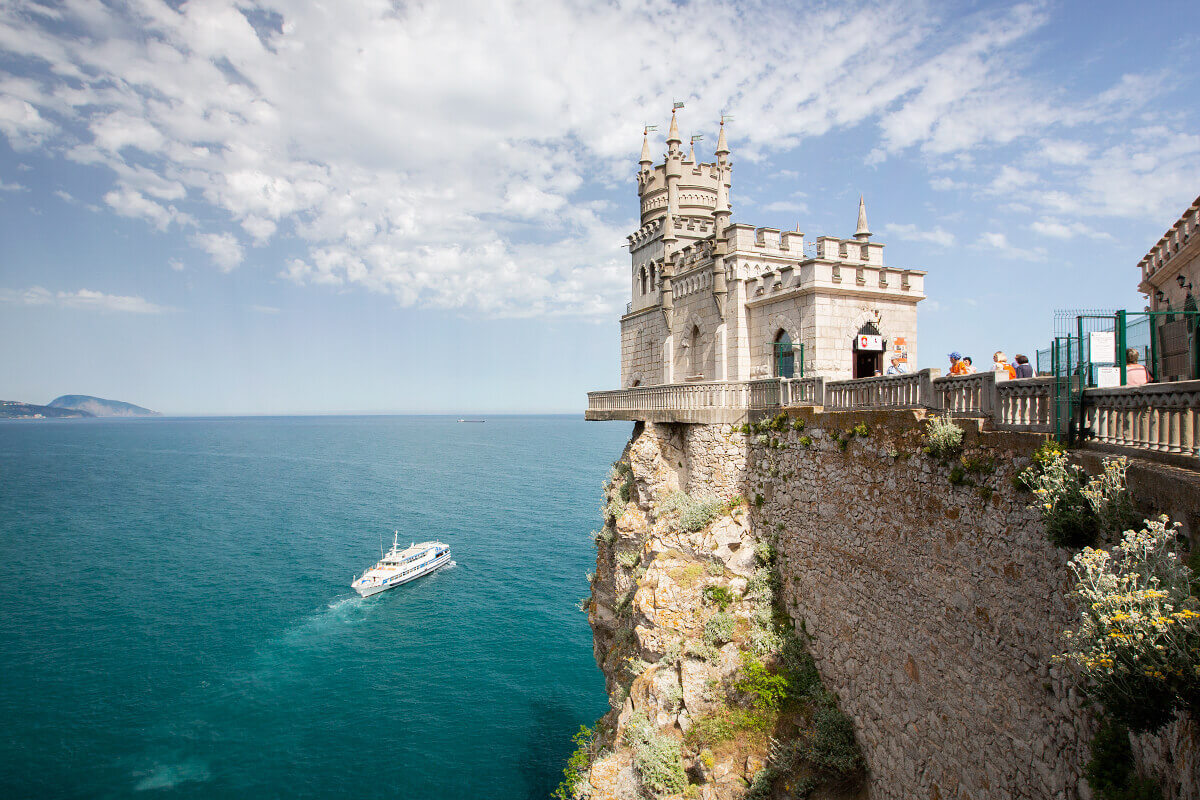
(769, 689)
(604, 535)
(830, 745)
(719, 596)
(758, 500)
(687, 576)
(629, 558)
(718, 629)
(943, 438)
(636, 666)
(958, 476)
(979, 465)
(1074, 507)
(1138, 641)
(693, 513)
(844, 442)
(714, 568)
(614, 509)
(861, 430)
(801, 670)
(762, 585)
(765, 553)
(657, 759)
(764, 641)
(798, 424)
(1110, 770)
(806, 441)
(577, 764)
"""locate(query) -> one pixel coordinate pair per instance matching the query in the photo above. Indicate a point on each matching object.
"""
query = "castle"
(720, 301)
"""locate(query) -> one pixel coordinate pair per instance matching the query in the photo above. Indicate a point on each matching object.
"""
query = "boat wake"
(168, 776)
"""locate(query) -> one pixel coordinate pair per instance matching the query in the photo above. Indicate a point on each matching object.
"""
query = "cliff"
(924, 591)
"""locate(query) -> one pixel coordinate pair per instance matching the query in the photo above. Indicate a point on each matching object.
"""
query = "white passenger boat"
(401, 566)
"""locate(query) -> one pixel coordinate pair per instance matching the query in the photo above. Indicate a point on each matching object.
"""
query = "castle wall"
(935, 611)
(642, 342)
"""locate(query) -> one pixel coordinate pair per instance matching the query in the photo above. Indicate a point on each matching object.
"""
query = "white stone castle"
(720, 301)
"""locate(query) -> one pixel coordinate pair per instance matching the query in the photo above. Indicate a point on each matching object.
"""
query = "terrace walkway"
(1162, 419)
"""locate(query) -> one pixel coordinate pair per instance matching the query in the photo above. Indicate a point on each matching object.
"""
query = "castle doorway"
(785, 356)
(868, 351)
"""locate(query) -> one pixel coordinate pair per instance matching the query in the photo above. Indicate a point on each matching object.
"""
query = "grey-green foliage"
(605, 535)
(762, 585)
(694, 513)
(714, 568)
(718, 629)
(656, 758)
(703, 651)
(942, 437)
(629, 558)
(673, 696)
(764, 552)
(764, 640)
(614, 509)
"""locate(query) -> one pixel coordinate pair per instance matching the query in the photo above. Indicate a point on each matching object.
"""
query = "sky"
(295, 207)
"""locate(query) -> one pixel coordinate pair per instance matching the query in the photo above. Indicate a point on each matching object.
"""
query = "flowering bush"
(1075, 507)
(942, 437)
(1138, 641)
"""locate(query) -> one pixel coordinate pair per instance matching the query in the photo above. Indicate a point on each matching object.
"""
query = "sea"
(176, 618)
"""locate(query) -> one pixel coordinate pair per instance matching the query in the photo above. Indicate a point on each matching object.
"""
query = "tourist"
(1135, 374)
(957, 367)
(1024, 368)
(1002, 367)
(897, 368)
(970, 365)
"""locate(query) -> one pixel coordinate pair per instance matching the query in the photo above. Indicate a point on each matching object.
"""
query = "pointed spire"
(863, 231)
(722, 145)
(673, 134)
(646, 157)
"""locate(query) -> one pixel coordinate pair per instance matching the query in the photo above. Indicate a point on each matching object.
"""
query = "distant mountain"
(12, 409)
(99, 407)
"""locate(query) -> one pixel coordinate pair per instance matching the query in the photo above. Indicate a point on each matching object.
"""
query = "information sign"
(1102, 347)
(869, 342)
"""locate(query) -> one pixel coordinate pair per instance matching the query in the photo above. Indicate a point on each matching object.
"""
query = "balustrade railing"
(1160, 417)
(887, 391)
(1025, 405)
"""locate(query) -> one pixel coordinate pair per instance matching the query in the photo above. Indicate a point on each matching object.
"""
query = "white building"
(715, 300)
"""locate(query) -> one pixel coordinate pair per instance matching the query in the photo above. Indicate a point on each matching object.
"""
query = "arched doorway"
(868, 351)
(785, 356)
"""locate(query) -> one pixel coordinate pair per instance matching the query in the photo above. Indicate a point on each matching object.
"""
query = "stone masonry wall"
(935, 610)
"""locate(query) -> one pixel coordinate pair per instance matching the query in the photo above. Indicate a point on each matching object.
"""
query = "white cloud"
(996, 240)
(175, 264)
(442, 152)
(937, 236)
(81, 298)
(1060, 230)
(11, 187)
(223, 248)
(264, 309)
(793, 206)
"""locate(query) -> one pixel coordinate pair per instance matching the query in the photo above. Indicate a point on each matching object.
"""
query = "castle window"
(653, 283)
(643, 280)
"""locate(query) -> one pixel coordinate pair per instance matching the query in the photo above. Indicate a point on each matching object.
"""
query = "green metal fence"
(1091, 348)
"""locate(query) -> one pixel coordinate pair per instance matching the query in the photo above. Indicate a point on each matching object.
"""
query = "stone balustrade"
(1158, 417)
(885, 391)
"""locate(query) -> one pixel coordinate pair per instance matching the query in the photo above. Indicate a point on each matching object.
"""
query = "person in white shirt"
(896, 367)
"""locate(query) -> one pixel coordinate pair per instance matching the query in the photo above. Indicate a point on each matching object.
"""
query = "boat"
(472, 420)
(399, 566)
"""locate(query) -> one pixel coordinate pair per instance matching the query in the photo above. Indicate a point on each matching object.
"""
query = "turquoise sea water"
(177, 618)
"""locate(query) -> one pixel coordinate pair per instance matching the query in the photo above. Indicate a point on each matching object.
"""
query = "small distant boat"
(472, 420)
(401, 566)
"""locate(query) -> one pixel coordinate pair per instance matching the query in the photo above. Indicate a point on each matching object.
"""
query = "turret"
(863, 233)
(672, 170)
(721, 214)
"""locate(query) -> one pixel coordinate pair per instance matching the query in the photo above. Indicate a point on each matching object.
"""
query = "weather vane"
(675, 104)
(696, 137)
(726, 118)
(647, 128)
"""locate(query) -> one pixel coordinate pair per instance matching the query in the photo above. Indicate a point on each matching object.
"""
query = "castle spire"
(673, 134)
(863, 233)
(722, 145)
(646, 158)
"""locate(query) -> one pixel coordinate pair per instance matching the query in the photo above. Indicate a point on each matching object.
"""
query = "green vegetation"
(769, 689)
(861, 430)
(577, 764)
(958, 476)
(657, 759)
(829, 745)
(629, 558)
(1075, 507)
(943, 438)
(614, 510)
(1110, 772)
(758, 500)
(604, 536)
(764, 552)
(688, 576)
(718, 629)
(806, 441)
(719, 596)
(694, 513)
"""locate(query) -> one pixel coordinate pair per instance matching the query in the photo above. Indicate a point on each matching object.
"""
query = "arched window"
(653, 283)
(785, 356)
(643, 280)
(694, 362)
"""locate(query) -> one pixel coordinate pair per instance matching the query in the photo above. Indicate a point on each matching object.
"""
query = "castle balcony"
(1160, 421)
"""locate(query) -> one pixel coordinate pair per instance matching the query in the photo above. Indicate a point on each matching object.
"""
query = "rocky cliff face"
(712, 692)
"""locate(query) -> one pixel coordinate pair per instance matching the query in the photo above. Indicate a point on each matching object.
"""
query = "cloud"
(81, 299)
(11, 187)
(222, 248)
(996, 240)
(264, 309)
(1060, 230)
(937, 236)
(175, 264)
(445, 153)
(787, 205)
